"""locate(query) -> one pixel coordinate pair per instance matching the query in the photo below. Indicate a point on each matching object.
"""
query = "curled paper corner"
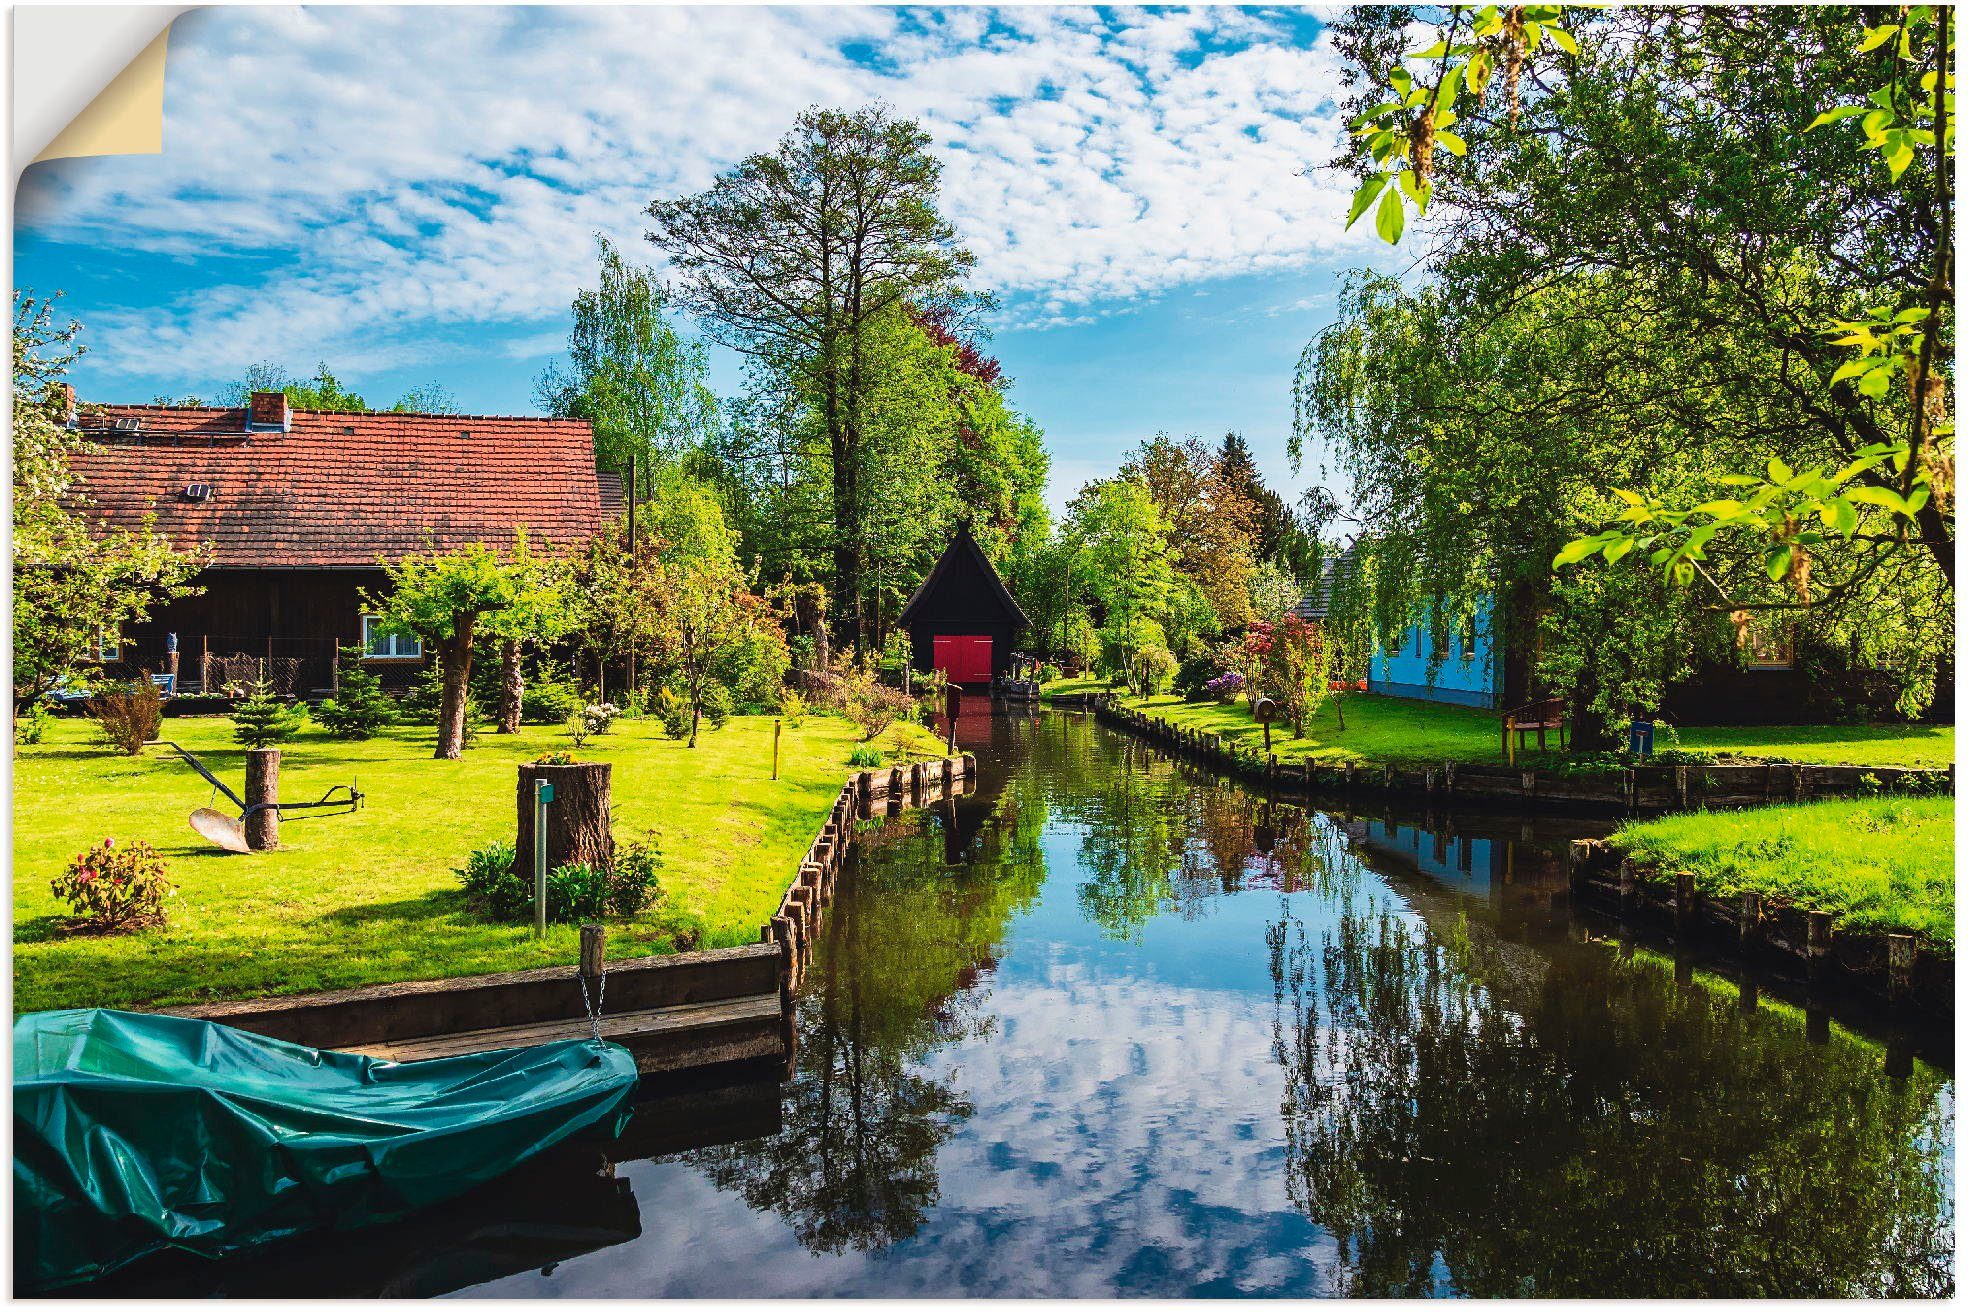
(127, 116)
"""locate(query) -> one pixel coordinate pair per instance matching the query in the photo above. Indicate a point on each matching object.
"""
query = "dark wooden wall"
(922, 641)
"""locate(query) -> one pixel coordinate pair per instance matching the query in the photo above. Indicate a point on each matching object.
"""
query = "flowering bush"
(1225, 687)
(111, 888)
(590, 720)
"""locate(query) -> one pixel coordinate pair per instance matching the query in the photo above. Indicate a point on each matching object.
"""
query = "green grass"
(370, 897)
(1878, 864)
(1832, 744)
(1074, 686)
(1400, 730)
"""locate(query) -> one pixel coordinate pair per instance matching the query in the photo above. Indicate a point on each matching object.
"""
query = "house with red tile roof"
(298, 509)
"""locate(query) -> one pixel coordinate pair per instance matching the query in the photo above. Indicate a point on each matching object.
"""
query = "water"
(1111, 1026)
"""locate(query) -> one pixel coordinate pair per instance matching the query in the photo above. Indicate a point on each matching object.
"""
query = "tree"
(1124, 558)
(644, 386)
(539, 614)
(1212, 525)
(793, 257)
(440, 597)
(264, 720)
(1698, 152)
(1283, 539)
(75, 583)
(324, 391)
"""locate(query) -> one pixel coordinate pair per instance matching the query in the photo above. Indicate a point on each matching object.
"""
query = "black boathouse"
(962, 620)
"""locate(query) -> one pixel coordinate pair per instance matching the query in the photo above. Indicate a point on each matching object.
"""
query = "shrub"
(792, 708)
(1193, 676)
(865, 757)
(549, 702)
(871, 704)
(128, 714)
(111, 888)
(1157, 667)
(717, 705)
(673, 713)
(492, 886)
(589, 720)
(633, 884)
(31, 724)
(360, 706)
(1225, 686)
(263, 720)
(575, 891)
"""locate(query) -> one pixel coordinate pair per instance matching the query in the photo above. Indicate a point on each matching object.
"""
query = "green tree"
(441, 597)
(324, 392)
(641, 384)
(264, 720)
(1126, 562)
(1212, 523)
(75, 583)
(795, 257)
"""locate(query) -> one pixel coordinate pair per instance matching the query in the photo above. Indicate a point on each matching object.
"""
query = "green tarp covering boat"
(134, 1133)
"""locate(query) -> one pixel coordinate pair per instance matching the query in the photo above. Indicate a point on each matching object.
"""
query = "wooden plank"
(624, 1028)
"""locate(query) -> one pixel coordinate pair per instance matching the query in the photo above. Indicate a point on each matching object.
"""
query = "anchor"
(229, 834)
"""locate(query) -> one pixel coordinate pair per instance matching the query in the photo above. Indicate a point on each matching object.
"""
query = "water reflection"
(1112, 1026)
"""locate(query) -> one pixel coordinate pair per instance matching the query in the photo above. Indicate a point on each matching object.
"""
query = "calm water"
(1110, 1026)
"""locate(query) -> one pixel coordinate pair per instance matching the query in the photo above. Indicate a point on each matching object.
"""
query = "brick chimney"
(267, 412)
(63, 395)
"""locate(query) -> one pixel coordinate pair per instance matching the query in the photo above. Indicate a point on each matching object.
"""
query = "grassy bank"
(1879, 864)
(370, 897)
(1402, 731)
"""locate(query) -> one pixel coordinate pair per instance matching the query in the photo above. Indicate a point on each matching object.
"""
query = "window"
(1469, 639)
(380, 646)
(109, 647)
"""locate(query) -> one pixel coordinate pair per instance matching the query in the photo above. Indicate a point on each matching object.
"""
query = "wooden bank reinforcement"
(1636, 788)
(676, 1012)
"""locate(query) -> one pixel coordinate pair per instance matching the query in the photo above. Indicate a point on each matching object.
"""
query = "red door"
(963, 657)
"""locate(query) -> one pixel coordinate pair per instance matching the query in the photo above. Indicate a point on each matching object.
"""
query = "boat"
(137, 1132)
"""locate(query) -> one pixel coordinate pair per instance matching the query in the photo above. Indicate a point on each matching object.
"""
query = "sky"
(411, 195)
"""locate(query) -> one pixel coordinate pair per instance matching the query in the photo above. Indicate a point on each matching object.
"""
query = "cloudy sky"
(411, 194)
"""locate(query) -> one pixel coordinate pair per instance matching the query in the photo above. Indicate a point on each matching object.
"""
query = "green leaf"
(1850, 369)
(1737, 480)
(1876, 37)
(1563, 39)
(1876, 382)
(1838, 115)
(1720, 509)
(1573, 552)
(1452, 143)
(1777, 563)
(1367, 116)
(1391, 217)
(1778, 471)
(1616, 551)
(1365, 196)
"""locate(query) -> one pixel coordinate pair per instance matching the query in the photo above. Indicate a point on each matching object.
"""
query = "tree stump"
(263, 785)
(578, 829)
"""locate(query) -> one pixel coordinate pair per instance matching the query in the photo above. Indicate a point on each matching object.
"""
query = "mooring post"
(1684, 899)
(263, 791)
(1629, 884)
(1749, 924)
(1900, 955)
(1817, 942)
(775, 749)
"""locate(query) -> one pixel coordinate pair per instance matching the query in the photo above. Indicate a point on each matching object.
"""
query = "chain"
(594, 1004)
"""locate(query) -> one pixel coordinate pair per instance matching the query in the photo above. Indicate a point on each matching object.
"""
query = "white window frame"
(401, 648)
(109, 647)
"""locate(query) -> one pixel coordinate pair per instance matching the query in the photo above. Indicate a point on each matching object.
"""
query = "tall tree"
(643, 385)
(792, 257)
(1126, 561)
(75, 584)
(1212, 524)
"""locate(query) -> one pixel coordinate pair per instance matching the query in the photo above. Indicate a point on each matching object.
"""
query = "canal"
(1111, 1025)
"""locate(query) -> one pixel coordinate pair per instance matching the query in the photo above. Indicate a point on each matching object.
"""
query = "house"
(961, 618)
(298, 510)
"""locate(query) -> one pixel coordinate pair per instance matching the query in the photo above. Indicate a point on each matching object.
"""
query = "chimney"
(267, 412)
(63, 395)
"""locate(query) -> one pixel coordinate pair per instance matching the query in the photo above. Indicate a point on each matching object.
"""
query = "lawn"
(1074, 686)
(1400, 730)
(370, 897)
(1877, 864)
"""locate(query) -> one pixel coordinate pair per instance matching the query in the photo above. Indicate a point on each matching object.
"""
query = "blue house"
(1469, 670)
(1469, 673)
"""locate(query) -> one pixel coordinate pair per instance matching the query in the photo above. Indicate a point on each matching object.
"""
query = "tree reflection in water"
(1468, 1117)
(899, 973)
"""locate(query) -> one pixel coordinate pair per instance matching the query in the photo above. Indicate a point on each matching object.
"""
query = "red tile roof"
(341, 489)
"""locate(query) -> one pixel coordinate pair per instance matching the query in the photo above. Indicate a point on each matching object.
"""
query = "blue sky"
(410, 194)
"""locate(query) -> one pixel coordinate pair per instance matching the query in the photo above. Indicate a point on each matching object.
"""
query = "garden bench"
(1533, 717)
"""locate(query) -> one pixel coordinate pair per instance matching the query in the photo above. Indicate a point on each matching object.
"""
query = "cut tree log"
(578, 830)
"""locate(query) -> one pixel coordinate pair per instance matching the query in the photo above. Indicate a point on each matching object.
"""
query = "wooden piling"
(594, 946)
(1684, 899)
(1749, 921)
(1901, 953)
(1817, 943)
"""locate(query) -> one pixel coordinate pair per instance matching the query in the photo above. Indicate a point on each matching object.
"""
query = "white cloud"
(420, 173)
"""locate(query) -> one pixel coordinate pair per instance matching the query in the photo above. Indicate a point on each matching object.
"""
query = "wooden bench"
(1533, 717)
